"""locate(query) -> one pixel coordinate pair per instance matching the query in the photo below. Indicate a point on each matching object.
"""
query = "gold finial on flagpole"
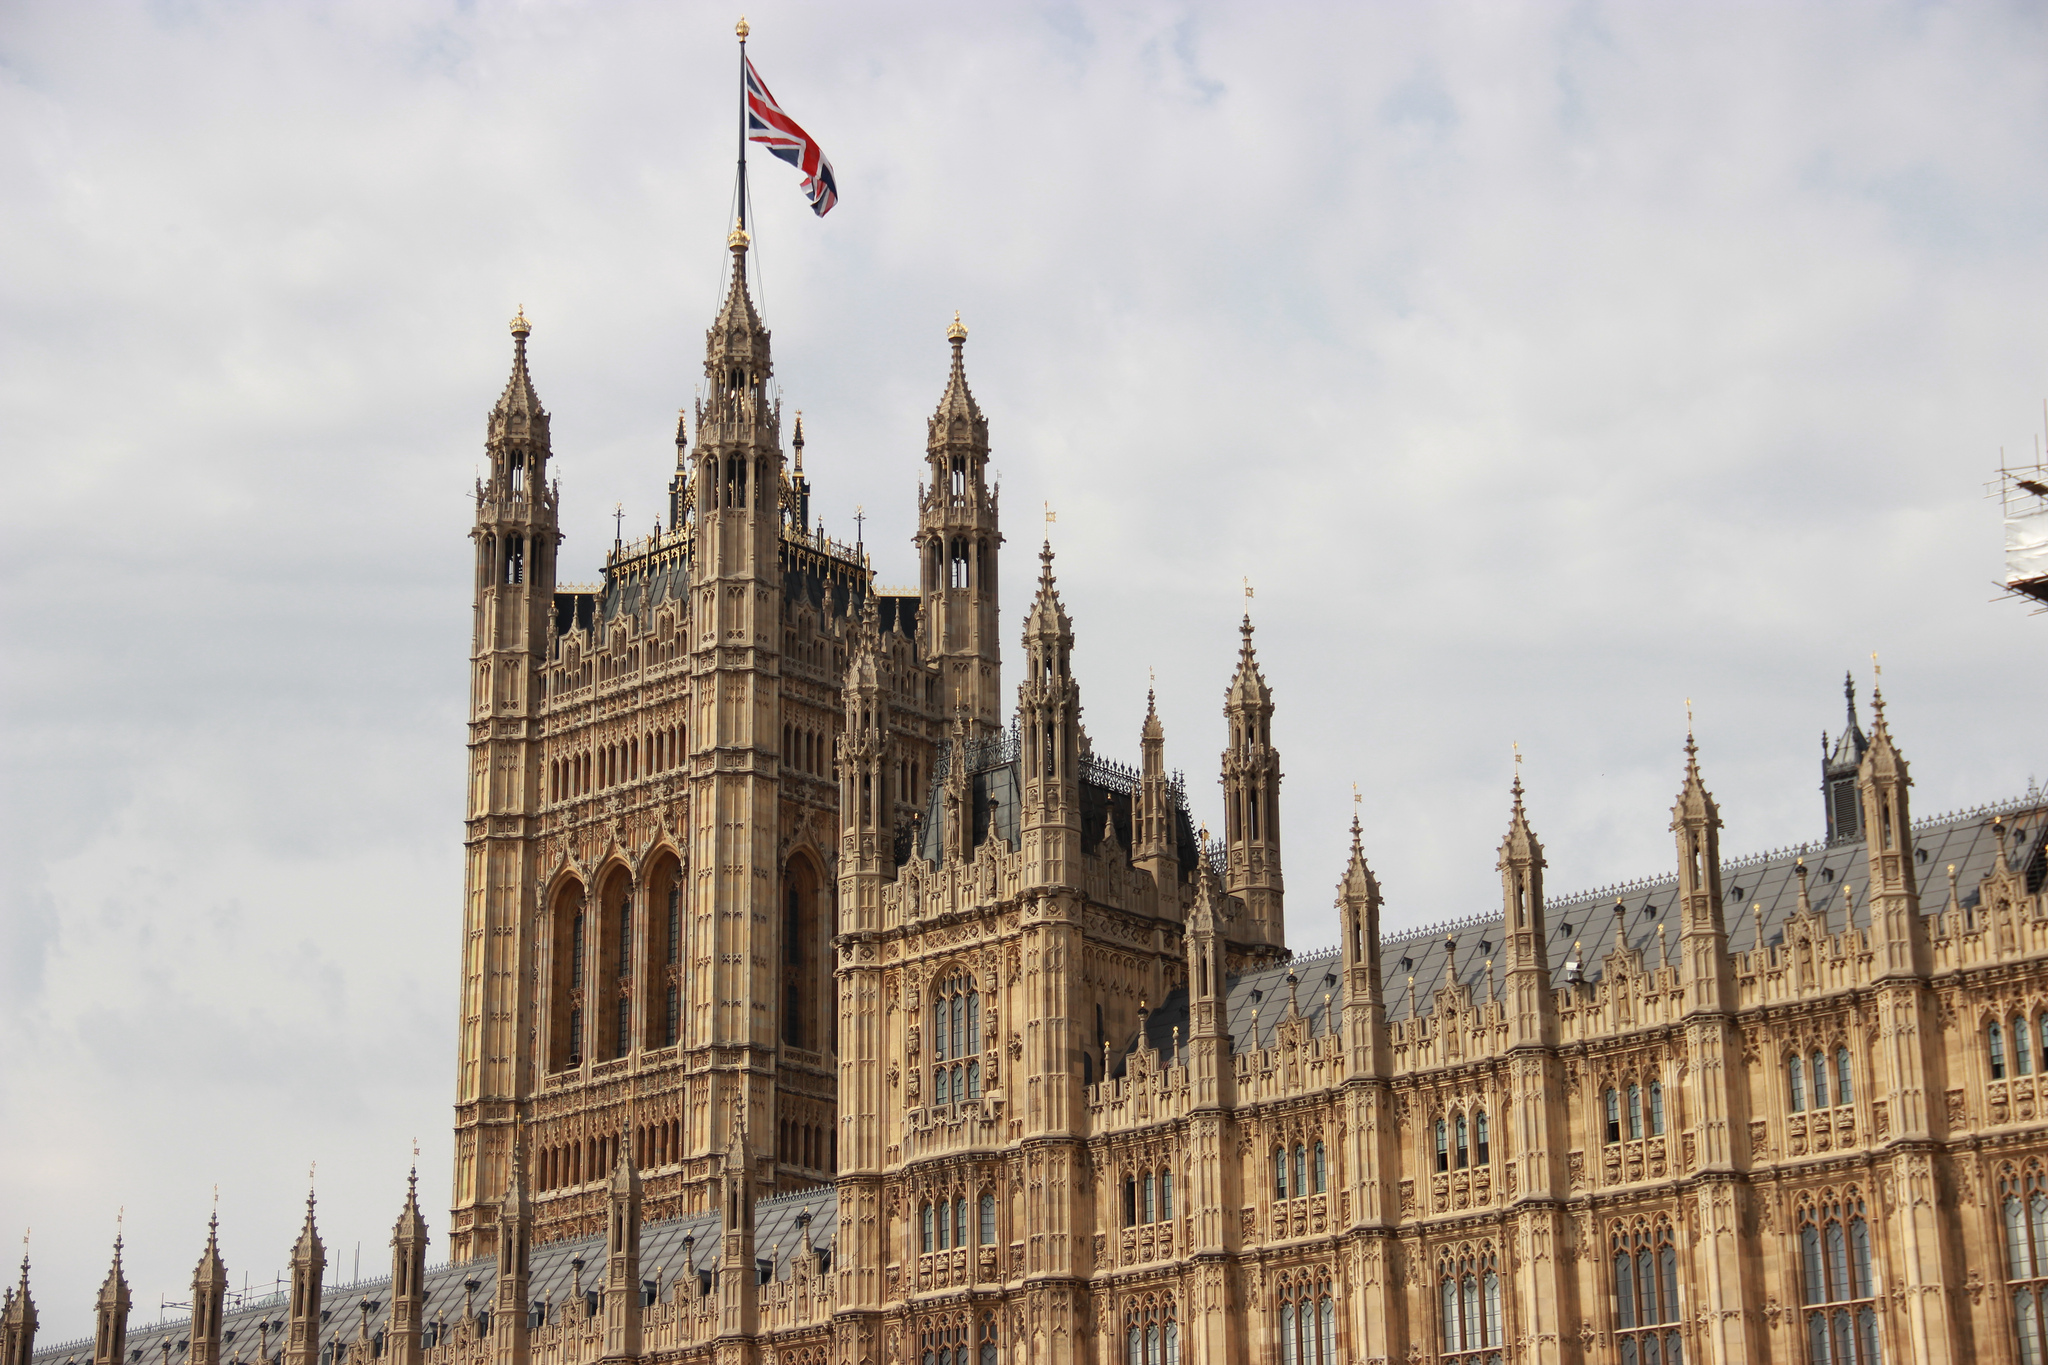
(741, 28)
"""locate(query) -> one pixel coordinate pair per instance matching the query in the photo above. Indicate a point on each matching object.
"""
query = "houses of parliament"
(828, 997)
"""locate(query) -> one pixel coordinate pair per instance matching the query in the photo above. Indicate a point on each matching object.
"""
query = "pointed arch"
(567, 942)
(804, 937)
(611, 1013)
(663, 996)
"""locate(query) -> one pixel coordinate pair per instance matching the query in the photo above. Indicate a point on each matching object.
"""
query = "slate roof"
(1965, 838)
(777, 1234)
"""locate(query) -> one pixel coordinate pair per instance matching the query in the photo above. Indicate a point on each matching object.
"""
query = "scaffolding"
(2023, 499)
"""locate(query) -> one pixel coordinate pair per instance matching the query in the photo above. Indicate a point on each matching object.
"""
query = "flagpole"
(741, 29)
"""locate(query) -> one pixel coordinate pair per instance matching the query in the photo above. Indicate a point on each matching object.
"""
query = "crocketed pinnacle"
(737, 314)
(1694, 802)
(211, 1269)
(1048, 618)
(1248, 684)
(1153, 731)
(519, 397)
(309, 1247)
(1521, 840)
(114, 1289)
(958, 399)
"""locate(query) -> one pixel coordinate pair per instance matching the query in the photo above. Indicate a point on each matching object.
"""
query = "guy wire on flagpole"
(742, 194)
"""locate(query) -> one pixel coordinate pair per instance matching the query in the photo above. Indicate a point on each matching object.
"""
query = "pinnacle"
(738, 309)
(519, 395)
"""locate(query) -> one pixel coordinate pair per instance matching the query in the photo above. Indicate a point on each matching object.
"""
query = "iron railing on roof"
(2031, 801)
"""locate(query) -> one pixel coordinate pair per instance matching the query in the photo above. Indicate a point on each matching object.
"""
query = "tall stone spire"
(1910, 1053)
(18, 1321)
(309, 1264)
(209, 1295)
(957, 540)
(622, 1258)
(110, 1316)
(1702, 927)
(1368, 1099)
(1532, 1013)
(1251, 802)
(1716, 1095)
(408, 1277)
(1893, 895)
(1050, 744)
(738, 1291)
(511, 1339)
(516, 536)
(1358, 919)
(736, 696)
(1155, 842)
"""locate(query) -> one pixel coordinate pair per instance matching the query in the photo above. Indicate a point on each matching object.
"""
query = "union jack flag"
(778, 132)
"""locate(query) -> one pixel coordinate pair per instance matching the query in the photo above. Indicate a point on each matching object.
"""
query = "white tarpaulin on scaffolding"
(2026, 548)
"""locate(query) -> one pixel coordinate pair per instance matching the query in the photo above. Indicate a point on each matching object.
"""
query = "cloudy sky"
(1540, 365)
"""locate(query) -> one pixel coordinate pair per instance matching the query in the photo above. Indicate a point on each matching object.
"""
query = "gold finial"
(1518, 755)
(737, 239)
(1356, 797)
(741, 28)
(958, 331)
(1247, 590)
(1875, 666)
(520, 326)
(1050, 515)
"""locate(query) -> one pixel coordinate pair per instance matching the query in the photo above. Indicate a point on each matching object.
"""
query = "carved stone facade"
(811, 1014)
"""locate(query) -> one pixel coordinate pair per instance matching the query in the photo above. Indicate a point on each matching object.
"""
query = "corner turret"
(110, 1315)
(1251, 804)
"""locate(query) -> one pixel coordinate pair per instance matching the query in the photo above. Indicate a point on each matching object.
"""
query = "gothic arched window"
(1845, 1089)
(1994, 1043)
(1151, 1331)
(1482, 1148)
(1795, 1081)
(1280, 1166)
(1656, 1109)
(1613, 1102)
(1468, 1291)
(2022, 1055)
(2023, 1211)
(956, 1030)
(1837, 1280)
(1646, 1291)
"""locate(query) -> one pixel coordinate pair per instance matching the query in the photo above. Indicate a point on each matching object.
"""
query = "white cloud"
(1542, 366)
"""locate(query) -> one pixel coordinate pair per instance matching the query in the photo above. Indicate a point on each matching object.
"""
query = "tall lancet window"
(956, 1040)
(1646, 1310)
(1837, 1283)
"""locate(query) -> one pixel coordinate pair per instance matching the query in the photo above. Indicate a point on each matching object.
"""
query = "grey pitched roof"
(778, 1233)
(1964, 838)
